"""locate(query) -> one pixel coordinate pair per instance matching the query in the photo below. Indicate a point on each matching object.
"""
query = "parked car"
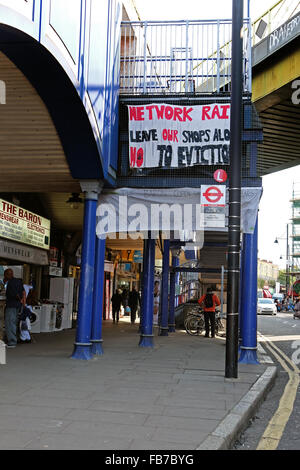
(266, 306)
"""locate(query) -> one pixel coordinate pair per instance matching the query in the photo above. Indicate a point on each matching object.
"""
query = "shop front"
(24, 241)
(24, 245)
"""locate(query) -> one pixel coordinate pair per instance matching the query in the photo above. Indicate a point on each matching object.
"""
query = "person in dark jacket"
(134, 301)
(116, 301)
(15, 298)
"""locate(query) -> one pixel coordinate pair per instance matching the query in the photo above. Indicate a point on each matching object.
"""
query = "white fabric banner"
(166, 136)
(130, 210)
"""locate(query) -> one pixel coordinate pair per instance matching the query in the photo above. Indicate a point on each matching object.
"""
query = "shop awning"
(267, 294)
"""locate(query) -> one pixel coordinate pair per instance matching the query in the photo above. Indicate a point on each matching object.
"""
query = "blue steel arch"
(75, 73)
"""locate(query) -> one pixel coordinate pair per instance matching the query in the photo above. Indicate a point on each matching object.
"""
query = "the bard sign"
(166, 136)
(23, 226)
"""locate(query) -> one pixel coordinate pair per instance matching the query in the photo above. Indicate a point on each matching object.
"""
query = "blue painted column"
(249, 300)
(177, 277)
(146, 339)
(82, 348)
(242, 265)
(96, 337)
(164, 327)
(142, 287)
(173, 277)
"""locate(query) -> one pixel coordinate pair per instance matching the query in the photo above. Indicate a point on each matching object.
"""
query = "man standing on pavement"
(15, 297)
(134, 301)
(210, 301)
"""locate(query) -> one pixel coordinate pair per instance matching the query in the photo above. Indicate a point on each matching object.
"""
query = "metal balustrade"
(180, 57)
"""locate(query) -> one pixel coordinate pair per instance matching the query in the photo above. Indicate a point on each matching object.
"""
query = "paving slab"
(172, 396)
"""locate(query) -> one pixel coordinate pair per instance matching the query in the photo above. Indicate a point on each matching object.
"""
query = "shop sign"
(23, 226)
(23, 253)
(54, 271)
(108, 267)
(166, 136)
(53, 256)
(138, 256)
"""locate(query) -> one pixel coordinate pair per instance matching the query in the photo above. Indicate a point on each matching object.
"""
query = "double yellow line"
(273, 433)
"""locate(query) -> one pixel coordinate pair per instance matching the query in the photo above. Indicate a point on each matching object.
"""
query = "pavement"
(172, 396)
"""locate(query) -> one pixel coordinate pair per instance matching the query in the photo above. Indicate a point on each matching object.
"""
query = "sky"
(275, 207)
(275, 212)
(195, 9)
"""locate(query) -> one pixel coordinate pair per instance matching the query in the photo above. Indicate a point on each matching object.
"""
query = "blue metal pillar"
(96, 337)
(242, 265)
(82, 348)
(173, 277)
(164, 327)
(249, 300)
(146, 339)
(177, 277)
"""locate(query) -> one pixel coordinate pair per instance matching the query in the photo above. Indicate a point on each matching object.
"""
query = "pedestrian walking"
(15, 298)
(134, 301)
(116, 301)
(210, 301)
(124, 295)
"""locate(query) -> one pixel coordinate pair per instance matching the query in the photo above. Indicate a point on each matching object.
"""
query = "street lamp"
(287, 265)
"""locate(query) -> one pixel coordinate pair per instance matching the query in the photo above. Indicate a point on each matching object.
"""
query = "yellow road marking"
(276, 426)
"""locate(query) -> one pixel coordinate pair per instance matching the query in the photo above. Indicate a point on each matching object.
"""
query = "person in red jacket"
(210, 301)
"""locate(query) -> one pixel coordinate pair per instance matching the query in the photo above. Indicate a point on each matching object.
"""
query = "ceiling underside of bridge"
(280, 117)
(32, 158)
(280, 148)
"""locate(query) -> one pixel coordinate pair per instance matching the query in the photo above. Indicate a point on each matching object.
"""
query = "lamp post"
(287, 266)
(235, 176)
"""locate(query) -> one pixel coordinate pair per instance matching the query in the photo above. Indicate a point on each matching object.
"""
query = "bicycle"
(194, 323)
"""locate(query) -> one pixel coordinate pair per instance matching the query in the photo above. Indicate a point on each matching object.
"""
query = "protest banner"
(166, 136)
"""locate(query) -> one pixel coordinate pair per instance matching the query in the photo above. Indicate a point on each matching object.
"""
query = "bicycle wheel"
(193, 326)
(218, 325)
